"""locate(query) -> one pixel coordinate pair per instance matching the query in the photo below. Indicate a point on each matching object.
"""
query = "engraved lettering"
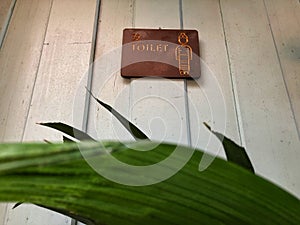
(165, 47)
(139, 47)
(149, 47)
(159, 48)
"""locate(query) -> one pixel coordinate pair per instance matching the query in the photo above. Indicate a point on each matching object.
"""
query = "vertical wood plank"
(204, 15)
(121, 92)
(64, 61)
(115, 15)
(4, 7)
(19, 59)
(158, 106)
(269, 129)
(3, 208)
(5, 14)
(284, 19)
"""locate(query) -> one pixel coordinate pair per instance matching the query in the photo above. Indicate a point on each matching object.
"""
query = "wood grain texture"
(5, 14)
(19, 59)
(4, 7)
(107, 84)
(238, 45)
(285, 24)
(268, 126)
(205, 16)
(64, 61)
(158, 106)
(3, 209)
(120, 92)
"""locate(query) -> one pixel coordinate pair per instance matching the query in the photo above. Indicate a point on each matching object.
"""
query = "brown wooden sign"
(160, 52)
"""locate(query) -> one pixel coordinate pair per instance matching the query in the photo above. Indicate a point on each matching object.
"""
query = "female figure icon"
(183, 54)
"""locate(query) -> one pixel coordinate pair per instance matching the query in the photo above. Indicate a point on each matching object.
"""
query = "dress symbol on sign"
(183, 54)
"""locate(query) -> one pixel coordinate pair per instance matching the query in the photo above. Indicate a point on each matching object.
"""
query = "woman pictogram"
(183, 54)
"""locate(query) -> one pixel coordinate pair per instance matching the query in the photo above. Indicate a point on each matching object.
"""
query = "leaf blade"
(69, 130)
(233, 151)
(223, 194)
(130, 127)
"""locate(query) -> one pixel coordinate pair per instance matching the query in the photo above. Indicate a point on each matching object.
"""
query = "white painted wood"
(64, 60)
(4, 14)
(269, 129)
(157, 106)
(119, 92)
(285, 24)
(32, 215)
(204, 16)
(115, 15)
(265, 117)
(19, 58)
(3, 209)
(6, 8)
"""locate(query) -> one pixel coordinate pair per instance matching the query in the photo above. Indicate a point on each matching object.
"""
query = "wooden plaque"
(161, 53)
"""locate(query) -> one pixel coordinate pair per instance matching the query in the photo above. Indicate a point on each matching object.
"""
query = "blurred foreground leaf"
(57, 177)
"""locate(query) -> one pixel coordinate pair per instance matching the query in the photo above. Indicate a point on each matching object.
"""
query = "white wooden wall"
(251, 47)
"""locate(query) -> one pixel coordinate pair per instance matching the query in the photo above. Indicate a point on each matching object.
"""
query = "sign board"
(160, 52)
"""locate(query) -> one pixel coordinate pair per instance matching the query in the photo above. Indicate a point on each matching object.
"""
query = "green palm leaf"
(69, 130)
(234, 153)
(56, 176)
(130, 127)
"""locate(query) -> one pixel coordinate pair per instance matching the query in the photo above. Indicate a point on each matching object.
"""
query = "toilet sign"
(160, 52)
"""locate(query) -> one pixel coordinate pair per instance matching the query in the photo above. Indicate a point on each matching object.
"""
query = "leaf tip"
(17, 204)
(48, 142)
(207, 126)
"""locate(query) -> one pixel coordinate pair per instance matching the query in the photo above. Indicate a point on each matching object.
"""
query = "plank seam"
(181, 14)
(37, 71)
(281, 69)
(130, 104)
(186, 98)
(7, 22)
(36, 75)
(91, 68)
(90, 77)
(233, 87)
(133, 13)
